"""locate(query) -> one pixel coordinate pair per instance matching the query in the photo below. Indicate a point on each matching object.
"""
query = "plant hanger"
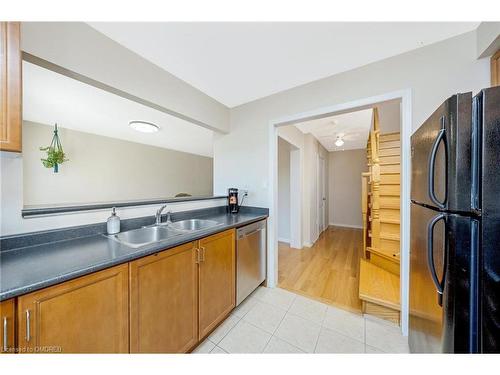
(55, 153)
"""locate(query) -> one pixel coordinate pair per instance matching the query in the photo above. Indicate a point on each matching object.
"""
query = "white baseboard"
(308, 244)
(346, 225)
(285, 240)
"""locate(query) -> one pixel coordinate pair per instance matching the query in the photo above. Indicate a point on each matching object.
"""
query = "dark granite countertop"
(26, 269)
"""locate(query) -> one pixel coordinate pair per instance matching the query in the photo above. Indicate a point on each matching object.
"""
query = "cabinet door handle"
(197, 255)
(202, 254)
(5, 334)
(28, 326)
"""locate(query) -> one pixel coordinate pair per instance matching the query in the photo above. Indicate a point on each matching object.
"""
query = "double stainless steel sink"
(156, 233)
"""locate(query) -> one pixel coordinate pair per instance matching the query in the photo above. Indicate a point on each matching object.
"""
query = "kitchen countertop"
(30, 268)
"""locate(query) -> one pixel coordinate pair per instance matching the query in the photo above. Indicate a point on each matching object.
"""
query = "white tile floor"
(277, 321)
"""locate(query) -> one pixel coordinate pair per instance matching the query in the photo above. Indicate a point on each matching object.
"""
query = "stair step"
(388, 256)
(390, 168)
(390, 159)
(389, 202)
(378, 286)
(389, 137)
(389, 236)
(383, 140)
(389, 179)
(389, 190)
(381, 260)
(390, 247)
(392, 151)
(389, 221)
(389, 229)
(389, 144)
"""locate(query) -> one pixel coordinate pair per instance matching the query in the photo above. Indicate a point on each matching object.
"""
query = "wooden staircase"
(379, 270)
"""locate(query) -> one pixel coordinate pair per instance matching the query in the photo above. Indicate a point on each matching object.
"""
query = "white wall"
(433, 73)
(103, 169)
(283, 190)
(389, 114)
(345, 168)
(78, 47)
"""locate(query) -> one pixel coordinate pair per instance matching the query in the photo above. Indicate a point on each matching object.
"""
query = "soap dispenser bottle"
(113, 223)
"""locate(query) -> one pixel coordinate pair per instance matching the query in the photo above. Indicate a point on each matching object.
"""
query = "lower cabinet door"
(85, 315)
(7, 324)
(164, 301)
(217, 285)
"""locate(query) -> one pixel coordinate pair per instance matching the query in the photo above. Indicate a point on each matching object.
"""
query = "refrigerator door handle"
(430, 257)
(432, 161)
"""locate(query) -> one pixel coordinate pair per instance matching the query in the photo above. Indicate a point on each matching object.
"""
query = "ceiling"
(353, 127)
(49, 98)
(235, 63)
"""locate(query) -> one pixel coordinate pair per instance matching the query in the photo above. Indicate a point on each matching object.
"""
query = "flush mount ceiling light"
(339, 142)
(144, 127)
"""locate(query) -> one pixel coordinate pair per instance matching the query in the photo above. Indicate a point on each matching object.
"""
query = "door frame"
(296, 198)
(405, 96)
(295, 202)
(322, 191)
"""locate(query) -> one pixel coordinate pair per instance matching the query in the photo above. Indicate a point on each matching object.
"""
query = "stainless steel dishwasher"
(251, 245)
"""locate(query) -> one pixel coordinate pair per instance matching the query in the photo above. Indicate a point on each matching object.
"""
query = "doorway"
(405, 97)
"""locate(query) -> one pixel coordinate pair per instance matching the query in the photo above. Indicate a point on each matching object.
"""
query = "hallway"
(328, 271)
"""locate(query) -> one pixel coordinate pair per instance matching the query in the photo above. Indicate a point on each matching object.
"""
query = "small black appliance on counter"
(232, 200)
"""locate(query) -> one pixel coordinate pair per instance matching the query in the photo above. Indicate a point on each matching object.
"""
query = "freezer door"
(441, 249)
(441, 157)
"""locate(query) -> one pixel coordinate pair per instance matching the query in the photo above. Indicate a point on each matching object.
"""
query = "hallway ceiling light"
(339, 142)
(144, 127)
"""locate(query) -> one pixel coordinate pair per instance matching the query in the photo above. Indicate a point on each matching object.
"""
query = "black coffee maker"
(232, 200)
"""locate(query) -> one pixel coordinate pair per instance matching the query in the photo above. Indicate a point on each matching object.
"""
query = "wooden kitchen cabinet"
(85, 315)
(7, 326)
(495, 69)
(10, 86)
(164, 301)
(217, 275)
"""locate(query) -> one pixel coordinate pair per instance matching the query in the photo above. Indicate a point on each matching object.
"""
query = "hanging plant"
(55, 153)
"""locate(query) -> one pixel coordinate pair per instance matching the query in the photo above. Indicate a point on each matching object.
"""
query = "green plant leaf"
(54, 156)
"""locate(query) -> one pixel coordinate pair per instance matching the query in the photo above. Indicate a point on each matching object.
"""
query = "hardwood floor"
(328, 271)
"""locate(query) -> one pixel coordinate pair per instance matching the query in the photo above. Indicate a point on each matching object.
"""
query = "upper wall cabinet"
(495, 69)
(10, 86)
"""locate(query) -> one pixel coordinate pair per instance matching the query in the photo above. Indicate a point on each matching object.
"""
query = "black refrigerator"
(455, 227)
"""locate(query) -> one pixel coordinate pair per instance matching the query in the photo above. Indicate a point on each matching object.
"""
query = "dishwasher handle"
(250, 229)
(241, 235)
